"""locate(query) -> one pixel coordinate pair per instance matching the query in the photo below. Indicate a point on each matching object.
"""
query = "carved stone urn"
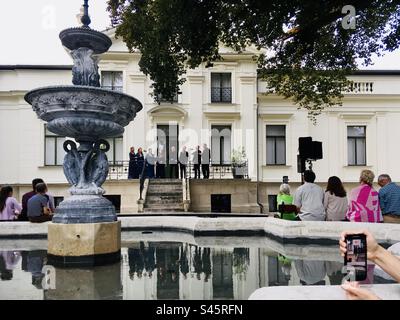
(88, 114)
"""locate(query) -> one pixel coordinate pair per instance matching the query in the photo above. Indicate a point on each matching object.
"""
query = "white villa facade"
(223, 106)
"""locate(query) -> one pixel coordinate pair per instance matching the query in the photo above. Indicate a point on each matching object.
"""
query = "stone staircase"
(164, 195)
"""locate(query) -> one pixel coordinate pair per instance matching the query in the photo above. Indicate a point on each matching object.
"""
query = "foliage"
(238, 157)
(241, 260)
(306, 53)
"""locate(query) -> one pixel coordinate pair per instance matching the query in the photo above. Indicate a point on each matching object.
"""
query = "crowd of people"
(363, 203)
(37, 205)
(150, 165)
(169, 262)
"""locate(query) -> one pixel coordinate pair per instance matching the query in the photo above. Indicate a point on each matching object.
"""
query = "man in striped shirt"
(389, 199)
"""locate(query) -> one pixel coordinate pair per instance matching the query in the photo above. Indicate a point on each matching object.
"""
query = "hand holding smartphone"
(355, 258)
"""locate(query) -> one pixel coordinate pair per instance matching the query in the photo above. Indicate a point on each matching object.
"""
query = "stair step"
(165, 181)
(163, 201)
(165, 186)
(159, 196)
(165, 206)
(162, 210)
(164, 192)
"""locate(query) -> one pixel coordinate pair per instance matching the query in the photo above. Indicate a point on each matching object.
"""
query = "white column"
(135, 132)
(381, 139)
(248, 105)
(195, 112)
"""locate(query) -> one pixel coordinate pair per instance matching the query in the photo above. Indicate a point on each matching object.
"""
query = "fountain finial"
(85, 17)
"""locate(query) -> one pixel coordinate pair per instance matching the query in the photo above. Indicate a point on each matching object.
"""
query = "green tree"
(305, 53)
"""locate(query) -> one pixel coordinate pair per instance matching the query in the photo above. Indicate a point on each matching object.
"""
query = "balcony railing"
(113, 88)
(362, 87)
(219, 94)
(118, 170)
(164, 100)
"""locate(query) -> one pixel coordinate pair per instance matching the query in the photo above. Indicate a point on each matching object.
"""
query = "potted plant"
(238, 162)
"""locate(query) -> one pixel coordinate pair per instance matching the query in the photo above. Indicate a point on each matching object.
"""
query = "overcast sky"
(29, 31)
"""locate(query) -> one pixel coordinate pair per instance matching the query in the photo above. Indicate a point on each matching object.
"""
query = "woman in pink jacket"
(364, 201)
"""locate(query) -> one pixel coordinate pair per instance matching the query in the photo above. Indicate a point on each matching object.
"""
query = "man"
(38, 205)
(25, 198)
(173, 162)
(309, 199)
(205, 161)
(389, 199)
(183, 160)
(197, 162)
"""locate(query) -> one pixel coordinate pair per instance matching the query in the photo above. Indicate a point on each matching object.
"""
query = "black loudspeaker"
(301, 164)
(316, 150)
(305, 147)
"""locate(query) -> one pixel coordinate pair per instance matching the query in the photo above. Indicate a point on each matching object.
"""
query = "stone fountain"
(84, 229)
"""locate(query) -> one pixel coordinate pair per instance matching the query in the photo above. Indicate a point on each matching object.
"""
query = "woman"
(132, 169)
(284, 197)
(9, 206)
(363, 201)
(140, 161)
(335, 200)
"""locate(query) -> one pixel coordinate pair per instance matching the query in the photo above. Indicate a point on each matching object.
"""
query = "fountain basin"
(83, 112)
(74, 38)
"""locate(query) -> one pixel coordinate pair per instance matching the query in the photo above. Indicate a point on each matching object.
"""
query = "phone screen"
(356, 256)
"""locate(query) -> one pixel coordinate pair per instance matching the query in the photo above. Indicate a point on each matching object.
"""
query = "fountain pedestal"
(84, 244)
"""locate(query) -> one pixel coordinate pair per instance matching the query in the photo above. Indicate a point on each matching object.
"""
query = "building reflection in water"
(169, 270)
(183, 271)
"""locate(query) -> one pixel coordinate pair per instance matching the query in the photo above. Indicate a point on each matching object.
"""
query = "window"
(174, 99)
(53, 150)
(356, 145)
(220, 144)
(115, 200)
(221, 203)
(276, 145)
(221, 88)
(57, 201)
(272, 203)
(115, 154)
(112, 80)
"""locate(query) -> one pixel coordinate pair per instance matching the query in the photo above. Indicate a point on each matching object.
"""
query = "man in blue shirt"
(389, 199)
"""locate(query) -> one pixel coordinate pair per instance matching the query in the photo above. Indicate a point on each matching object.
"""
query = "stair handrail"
(143, 186)
(186, 193)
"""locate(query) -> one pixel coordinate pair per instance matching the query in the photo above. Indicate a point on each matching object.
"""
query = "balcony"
(119, 170)
(164, 100)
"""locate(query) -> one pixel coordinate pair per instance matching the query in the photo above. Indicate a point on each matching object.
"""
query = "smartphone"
(355, 258)
(285, 179)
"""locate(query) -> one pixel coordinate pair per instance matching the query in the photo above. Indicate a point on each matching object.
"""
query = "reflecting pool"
(153, 269)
